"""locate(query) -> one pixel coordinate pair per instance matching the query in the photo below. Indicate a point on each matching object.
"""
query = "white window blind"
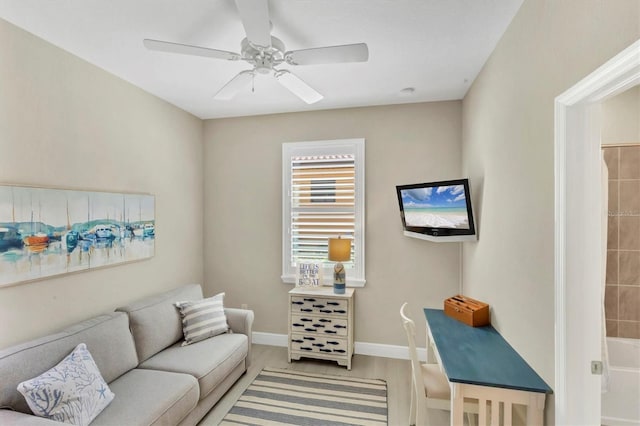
(323, 196)
(322, 204)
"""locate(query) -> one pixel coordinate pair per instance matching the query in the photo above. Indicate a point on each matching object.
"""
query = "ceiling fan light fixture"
(298, 87)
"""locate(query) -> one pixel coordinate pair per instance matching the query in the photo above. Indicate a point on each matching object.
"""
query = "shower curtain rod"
(619, 145)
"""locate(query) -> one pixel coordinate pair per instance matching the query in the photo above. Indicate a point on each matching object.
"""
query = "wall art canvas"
(46, 232)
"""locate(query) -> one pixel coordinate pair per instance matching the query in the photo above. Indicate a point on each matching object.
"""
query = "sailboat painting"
(46, 232)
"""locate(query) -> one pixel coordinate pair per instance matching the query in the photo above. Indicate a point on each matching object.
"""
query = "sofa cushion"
(209, 361)
(202, 319)
(107, 337)
(149, 397)
(15, 418)
(155, 320)
(71, 392)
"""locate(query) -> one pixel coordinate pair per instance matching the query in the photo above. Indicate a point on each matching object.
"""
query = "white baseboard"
(361, 348)
(269, 339)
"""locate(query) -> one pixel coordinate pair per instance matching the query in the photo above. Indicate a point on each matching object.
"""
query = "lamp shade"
(339, 249)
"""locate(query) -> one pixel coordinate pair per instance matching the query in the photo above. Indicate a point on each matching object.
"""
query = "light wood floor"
(396, 372)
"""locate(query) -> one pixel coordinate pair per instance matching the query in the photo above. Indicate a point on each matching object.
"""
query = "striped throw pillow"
(202, 319)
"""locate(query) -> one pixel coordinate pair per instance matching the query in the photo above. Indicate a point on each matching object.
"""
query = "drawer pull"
(325, 350)
(330, 331)
(318, 325)
(309, 299)
(305, 348)
(339, 326)
(341, 351)
(326, 311)
(297, 341)
(333, 303)
(309, 338)
(324, 320)
(297, 303)
(320, 345)
(339, 311)
(332, 342)
(318, 306)
(306, 319)
(295, 324)
(310, 329)
(306, 310)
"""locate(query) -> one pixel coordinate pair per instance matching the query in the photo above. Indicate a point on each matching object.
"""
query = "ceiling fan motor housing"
(263, 58)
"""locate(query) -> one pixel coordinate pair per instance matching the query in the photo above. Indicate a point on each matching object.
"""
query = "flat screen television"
(437, 211)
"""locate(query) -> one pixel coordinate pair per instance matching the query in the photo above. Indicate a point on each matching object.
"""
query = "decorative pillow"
(202, 319)
(71, 392)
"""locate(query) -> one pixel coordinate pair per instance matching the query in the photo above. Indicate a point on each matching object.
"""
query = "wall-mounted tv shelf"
(443, 238)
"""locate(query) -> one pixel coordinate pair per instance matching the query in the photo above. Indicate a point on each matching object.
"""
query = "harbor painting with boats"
(46, 232)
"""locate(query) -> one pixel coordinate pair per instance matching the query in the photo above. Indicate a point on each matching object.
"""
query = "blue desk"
(480, 364)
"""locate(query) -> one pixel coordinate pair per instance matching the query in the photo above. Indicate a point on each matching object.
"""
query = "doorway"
(578, 236)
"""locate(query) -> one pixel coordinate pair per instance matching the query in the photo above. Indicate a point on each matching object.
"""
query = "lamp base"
(338, 278)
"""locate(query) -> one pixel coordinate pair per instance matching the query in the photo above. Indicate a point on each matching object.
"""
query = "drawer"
(318, 344)
(331, 325)
(318, 305)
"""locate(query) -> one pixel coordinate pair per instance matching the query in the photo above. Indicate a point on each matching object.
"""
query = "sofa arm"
(16, 418)
(241, 321)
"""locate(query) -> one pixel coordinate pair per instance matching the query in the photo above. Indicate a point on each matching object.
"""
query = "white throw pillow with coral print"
(71, 392)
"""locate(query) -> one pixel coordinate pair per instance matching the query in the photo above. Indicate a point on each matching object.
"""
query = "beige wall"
(508, 153)
(65, 123)
(243, 210)
(621, 118)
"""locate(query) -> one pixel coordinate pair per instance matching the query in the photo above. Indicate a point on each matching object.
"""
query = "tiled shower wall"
(622, 295)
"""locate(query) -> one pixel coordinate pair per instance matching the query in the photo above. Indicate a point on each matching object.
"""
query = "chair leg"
(412, 408)
(471, 418)
(419, 413)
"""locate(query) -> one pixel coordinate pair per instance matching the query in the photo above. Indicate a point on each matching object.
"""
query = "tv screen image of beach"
(436, 207)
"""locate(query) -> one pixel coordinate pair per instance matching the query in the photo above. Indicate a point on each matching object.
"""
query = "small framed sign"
(309, 275)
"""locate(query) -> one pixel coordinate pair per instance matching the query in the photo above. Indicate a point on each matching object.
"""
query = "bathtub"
(621, 404)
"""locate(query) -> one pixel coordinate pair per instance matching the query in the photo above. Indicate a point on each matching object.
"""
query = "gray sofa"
(156, 381)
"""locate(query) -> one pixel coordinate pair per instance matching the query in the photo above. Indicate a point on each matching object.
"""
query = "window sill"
(291, 279)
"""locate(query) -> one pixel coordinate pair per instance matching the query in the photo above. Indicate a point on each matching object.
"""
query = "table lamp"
(339, 251)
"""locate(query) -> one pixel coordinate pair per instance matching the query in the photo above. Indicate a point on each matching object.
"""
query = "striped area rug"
(279, 397)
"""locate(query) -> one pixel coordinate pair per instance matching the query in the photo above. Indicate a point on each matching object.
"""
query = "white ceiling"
(435, 46)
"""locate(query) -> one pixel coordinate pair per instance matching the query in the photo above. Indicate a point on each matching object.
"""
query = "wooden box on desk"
(467, 310)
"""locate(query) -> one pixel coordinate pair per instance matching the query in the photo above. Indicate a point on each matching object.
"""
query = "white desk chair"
(429, 385)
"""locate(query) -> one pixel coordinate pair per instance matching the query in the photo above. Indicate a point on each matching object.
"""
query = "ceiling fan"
(264, 52)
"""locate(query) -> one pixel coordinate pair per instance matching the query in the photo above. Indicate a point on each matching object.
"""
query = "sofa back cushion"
(155, 320)
(107, 337)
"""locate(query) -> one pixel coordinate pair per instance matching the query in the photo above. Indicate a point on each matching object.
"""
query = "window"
(323, 197)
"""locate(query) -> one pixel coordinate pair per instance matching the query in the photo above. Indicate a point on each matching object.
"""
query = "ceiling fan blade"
(185, 49)
(255, 19)
(298, 87)
(234, 85)
(329, 55)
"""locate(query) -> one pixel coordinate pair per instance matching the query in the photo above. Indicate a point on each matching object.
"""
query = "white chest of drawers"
(321, 325)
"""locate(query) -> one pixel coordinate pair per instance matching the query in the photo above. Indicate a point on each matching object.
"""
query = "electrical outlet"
(596, 367)
(244, 306)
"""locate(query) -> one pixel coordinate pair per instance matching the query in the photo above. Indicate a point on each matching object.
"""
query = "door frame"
(578, 264)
